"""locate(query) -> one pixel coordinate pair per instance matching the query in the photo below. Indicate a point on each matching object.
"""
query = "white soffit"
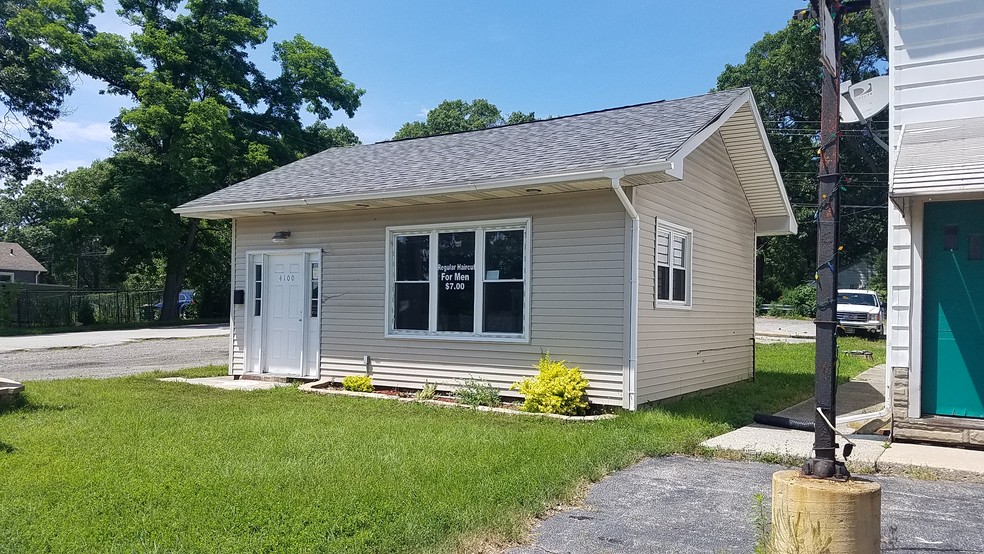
(940, 157)
(757, 171)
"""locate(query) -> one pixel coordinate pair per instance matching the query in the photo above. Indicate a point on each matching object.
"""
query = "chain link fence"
(26, 305)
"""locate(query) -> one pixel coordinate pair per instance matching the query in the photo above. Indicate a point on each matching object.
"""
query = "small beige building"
(621, 240)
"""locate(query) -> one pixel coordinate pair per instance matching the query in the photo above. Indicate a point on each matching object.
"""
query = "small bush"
(87, 314)
(357, 383)
(802, 299)
(557, 389)
(427, 393)
(477, 392)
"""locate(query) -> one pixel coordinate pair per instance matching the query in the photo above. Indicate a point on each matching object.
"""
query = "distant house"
(936, 218)
(855, 276)
(621, 240)
(17, 266)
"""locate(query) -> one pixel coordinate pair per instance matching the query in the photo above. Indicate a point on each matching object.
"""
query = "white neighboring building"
(936, 218)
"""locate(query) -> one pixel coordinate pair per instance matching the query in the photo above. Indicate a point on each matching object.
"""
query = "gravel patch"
(114, 361)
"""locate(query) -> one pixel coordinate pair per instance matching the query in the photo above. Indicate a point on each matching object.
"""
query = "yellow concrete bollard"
(813, 516)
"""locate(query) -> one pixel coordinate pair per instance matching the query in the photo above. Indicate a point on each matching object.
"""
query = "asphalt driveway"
(687, 505)
(102, 354)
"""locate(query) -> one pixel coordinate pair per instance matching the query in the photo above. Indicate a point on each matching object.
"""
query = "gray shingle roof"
(618, 137)
(13, 257)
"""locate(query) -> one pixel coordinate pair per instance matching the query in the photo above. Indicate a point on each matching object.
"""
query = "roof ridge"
(566, 116)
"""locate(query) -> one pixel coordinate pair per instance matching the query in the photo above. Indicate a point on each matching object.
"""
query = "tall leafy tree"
(43, 43)
(205, 117)
(783, 71)
(452, 116)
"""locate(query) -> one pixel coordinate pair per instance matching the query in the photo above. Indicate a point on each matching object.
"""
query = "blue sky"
(551, 57)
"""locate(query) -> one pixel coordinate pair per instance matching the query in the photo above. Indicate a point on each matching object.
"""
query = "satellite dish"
(864, 99)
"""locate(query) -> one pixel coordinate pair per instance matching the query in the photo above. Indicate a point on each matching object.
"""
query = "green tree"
(50, 218)
(43, 44)
(783, 71)
(452, 116)
(204, 117)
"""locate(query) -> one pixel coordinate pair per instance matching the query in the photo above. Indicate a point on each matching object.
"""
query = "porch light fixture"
(281, 237)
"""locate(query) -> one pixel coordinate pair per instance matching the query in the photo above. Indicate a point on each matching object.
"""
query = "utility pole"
(813, 510)
(824, 463)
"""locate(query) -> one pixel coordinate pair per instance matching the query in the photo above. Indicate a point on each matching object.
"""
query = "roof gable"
(13, 257)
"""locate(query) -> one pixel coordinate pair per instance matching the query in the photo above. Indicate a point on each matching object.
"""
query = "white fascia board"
(604, 173)
(695, 141)
(775, 225)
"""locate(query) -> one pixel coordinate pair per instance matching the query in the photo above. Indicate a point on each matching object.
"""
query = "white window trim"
(524, 224)
(688, 261)
(7, 274)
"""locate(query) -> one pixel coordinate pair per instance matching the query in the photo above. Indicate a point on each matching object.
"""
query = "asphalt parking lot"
(113, 360)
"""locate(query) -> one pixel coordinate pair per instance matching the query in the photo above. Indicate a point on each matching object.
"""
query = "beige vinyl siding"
(578, 290)
(683, 350)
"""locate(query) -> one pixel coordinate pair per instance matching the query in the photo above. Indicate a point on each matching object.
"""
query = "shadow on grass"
(25, 404)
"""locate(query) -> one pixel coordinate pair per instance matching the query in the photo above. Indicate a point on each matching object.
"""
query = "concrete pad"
(865, 394)
(87, 339)
(933, 457)
(227, 382)
(760, 439)
(9, 390)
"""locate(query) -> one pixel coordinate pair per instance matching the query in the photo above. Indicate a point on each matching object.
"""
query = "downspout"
(634, 288)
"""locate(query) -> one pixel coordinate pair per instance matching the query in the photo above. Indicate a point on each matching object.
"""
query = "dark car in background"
(186, 299)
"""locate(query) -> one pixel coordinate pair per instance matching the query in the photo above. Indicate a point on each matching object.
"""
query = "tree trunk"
(177, 264)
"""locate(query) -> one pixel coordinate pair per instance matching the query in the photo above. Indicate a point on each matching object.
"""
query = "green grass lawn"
(137, 465)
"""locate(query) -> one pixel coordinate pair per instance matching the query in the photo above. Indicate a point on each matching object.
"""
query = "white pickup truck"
(860, 310)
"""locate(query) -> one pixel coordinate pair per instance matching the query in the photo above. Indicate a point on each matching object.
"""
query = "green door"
(953, 309)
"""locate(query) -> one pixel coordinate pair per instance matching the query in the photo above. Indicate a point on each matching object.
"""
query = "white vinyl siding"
(936, 59)
(577, 292)
(711, 344)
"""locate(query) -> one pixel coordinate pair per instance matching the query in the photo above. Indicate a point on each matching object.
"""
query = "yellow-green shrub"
(557, 389)
(357, 383)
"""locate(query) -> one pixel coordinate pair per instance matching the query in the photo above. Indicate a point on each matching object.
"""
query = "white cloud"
(50, 168)
(71, 131)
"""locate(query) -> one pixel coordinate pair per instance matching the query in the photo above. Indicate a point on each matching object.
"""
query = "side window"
(673, 259)
(257, 288)
(315, 281)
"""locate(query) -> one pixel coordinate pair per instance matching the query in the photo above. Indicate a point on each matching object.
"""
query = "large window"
(673, 246)
(463, 280)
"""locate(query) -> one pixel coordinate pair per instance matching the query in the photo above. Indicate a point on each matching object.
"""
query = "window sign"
(460, 280)
(456, 282)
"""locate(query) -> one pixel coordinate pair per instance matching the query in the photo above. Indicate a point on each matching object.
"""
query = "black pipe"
(784, 422)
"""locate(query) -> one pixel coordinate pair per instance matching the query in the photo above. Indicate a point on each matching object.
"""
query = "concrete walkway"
(863, 394)
(87, 339)
(226, 382)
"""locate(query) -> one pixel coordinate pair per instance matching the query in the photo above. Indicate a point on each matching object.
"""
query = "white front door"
(284, 334)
